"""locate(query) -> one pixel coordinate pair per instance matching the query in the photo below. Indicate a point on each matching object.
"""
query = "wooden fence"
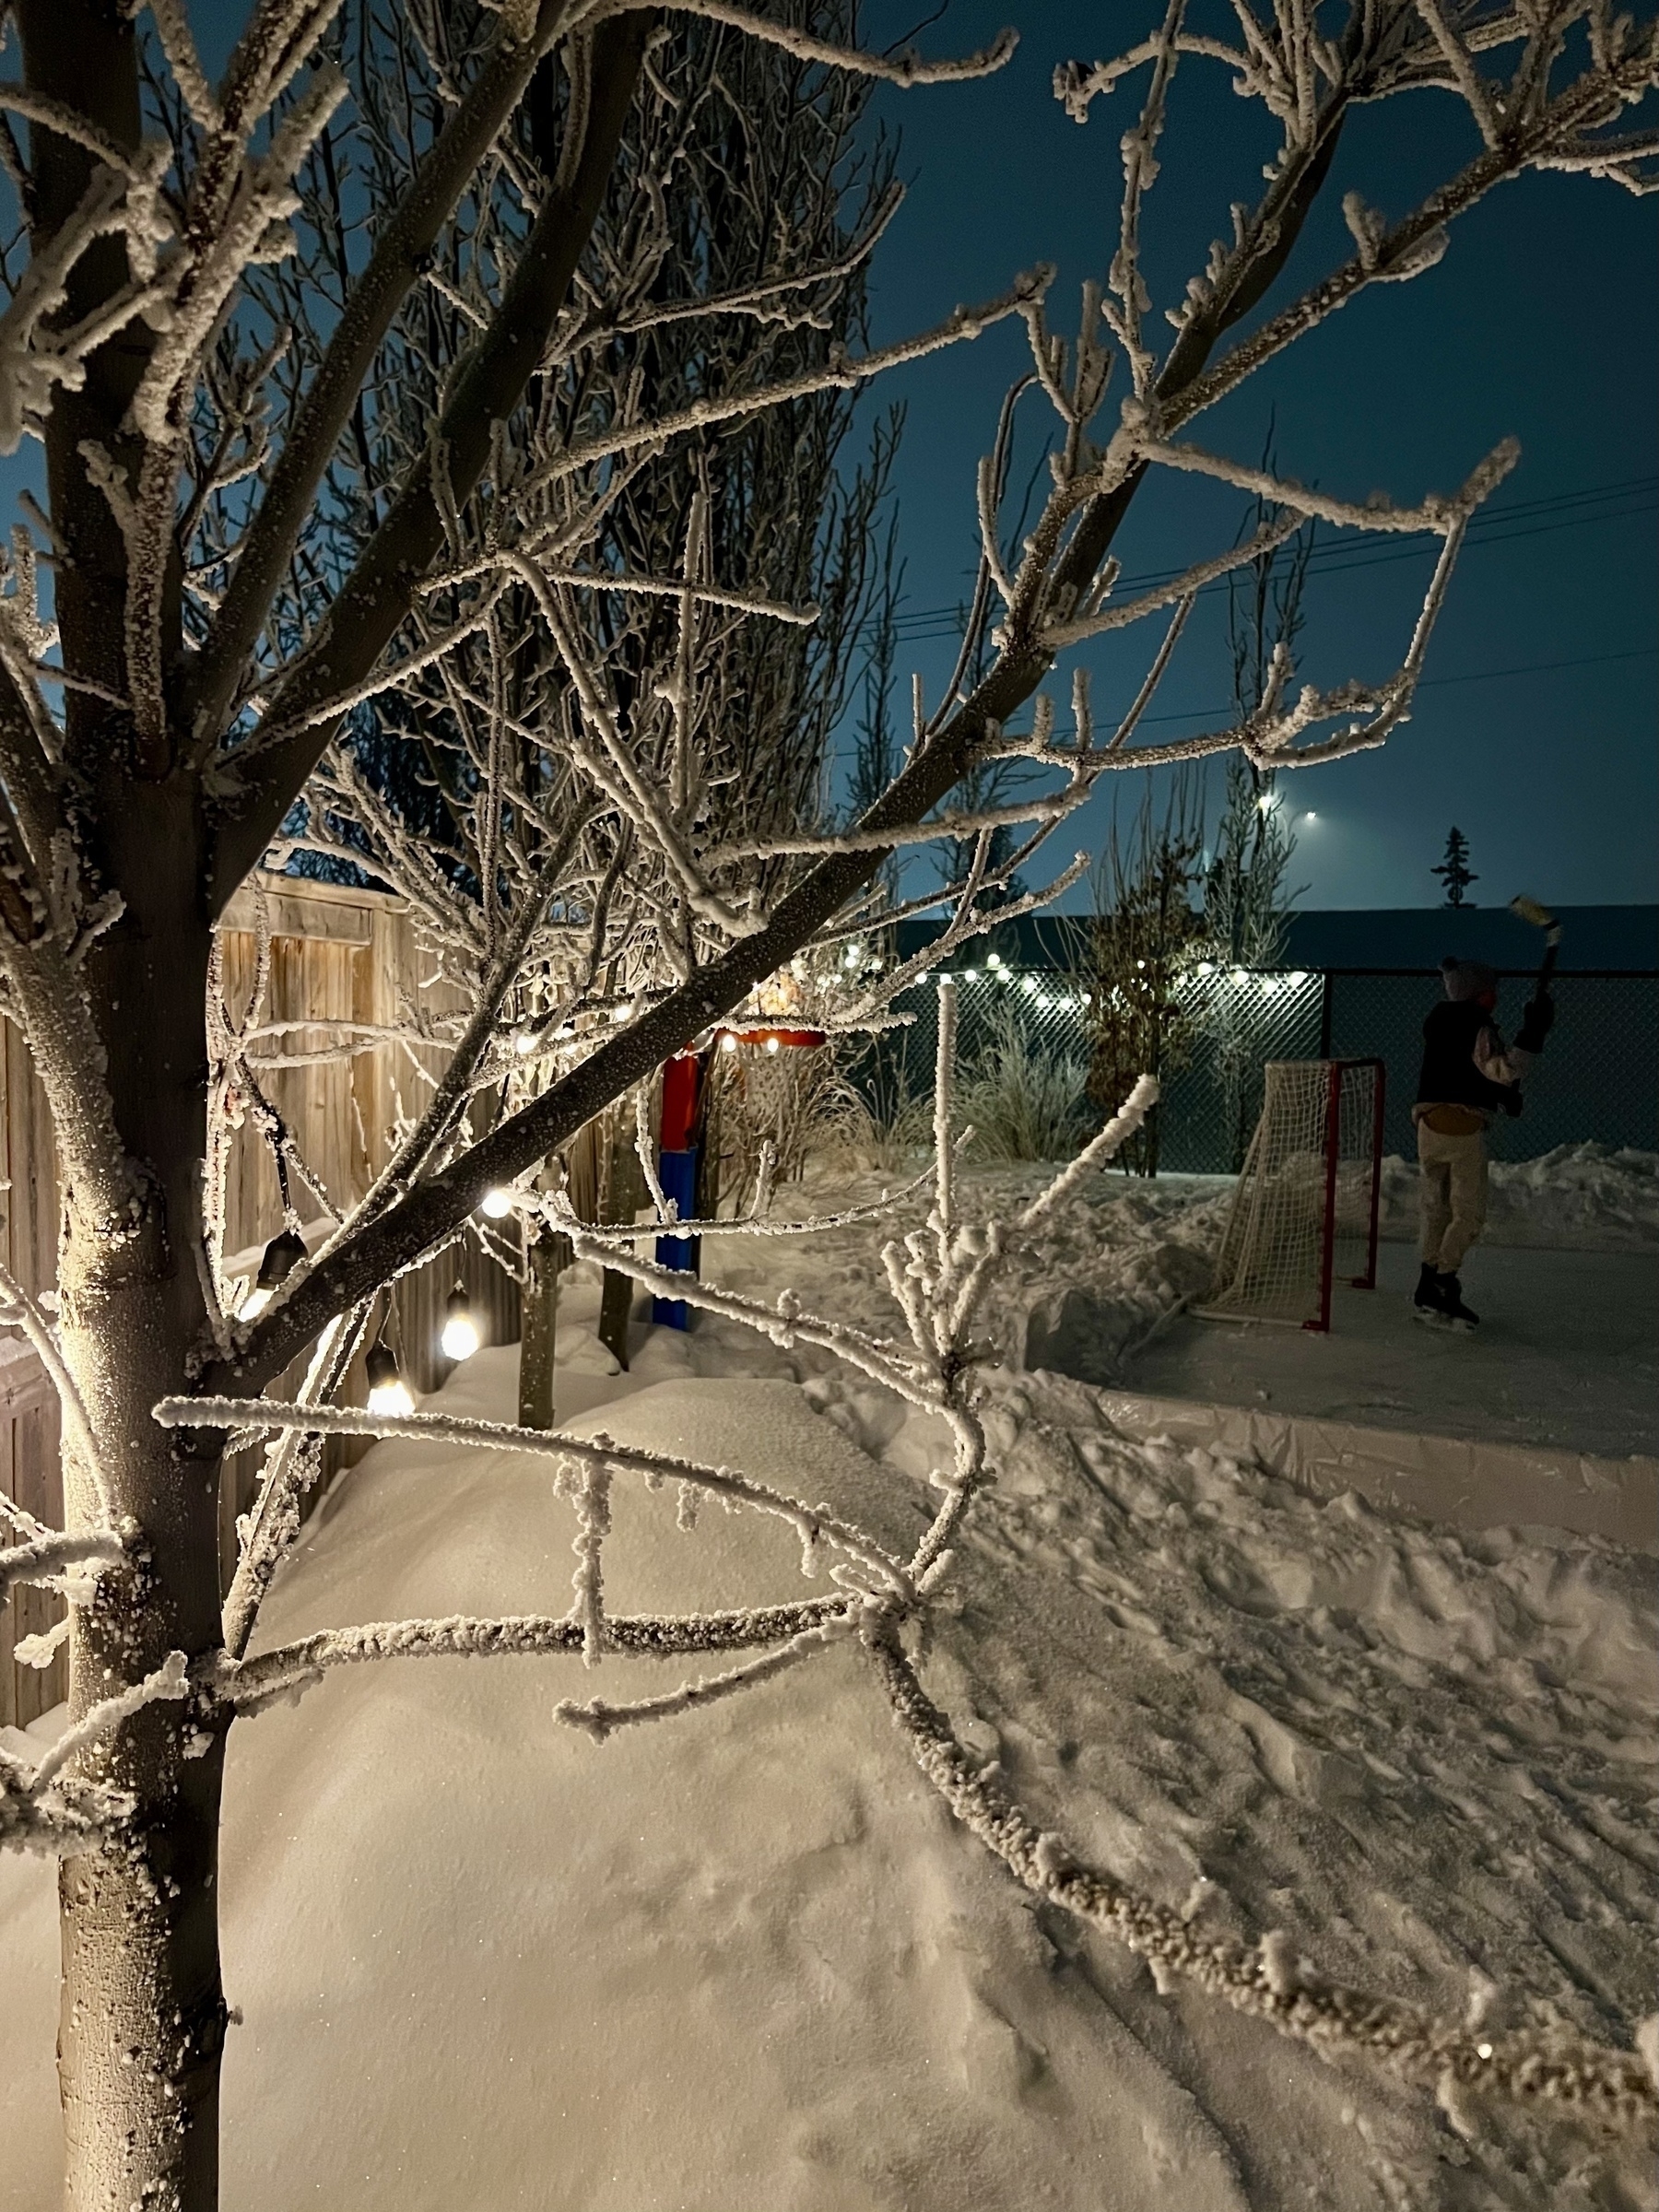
(337, 955)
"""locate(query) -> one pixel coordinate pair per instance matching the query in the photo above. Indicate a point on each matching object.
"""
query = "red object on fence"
(680, 1086)
(772, 1035)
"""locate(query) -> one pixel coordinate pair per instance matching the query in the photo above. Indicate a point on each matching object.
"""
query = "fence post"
(545, 1256)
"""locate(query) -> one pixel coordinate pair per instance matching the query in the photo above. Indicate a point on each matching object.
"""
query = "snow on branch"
(497, 1436)
(600, 1720)
(40, 1812)
(249, 1685)
(58, 1561)
(1614, 2086)
(903, 69)
(1058, 636)
(844, 372)
(1437, 513)
(1104, 1146)
(18, 1309)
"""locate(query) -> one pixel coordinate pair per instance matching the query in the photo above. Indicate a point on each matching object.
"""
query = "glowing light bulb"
(388, 1393)
(621, 1014)
(524, 1043)
(282, 1255)
(498, 1204)
(771, 1044)
(993, 959)
(460, 1339)
(971, 975)
(728, 1043)
(1310, 815)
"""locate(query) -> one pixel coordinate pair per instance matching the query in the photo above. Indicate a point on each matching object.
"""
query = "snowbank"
(745, 1960)
(1583, 1197)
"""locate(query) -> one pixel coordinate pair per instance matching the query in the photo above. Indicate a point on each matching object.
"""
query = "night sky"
(1535, 730)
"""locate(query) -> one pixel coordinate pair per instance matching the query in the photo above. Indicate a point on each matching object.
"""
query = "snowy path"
(1567, 1354)
(744, 1962)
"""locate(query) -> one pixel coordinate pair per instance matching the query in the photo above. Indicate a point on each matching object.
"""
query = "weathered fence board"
(337, 956)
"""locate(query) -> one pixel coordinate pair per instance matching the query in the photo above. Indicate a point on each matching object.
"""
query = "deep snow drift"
(744, 1958)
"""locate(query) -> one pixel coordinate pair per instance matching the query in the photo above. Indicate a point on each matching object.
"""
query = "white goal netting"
(1304, 1214)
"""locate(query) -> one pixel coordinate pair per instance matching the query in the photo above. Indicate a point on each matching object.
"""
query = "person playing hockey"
(1468, 1075)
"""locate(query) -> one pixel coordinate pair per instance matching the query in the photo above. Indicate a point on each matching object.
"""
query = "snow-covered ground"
(1584, 1198)
(1566, 1357)
(744, 1958)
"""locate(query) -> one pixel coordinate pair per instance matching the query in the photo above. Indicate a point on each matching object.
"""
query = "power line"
(1339, 556)
(1478, 676)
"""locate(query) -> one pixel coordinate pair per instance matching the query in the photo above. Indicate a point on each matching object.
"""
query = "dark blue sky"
(1539, 323)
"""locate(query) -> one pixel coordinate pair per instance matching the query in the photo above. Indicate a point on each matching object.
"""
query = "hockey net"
(1304, 1214)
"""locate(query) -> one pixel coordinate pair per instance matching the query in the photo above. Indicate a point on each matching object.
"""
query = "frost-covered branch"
(247, 1685)
(497, 1436)
(55, 1559)
(1268, 1982)
(905, 70)
(39, 1811)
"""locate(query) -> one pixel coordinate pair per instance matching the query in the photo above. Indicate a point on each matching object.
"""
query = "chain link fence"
(1598, 1080)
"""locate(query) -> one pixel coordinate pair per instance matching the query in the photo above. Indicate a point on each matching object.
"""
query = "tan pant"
(1454, 1195)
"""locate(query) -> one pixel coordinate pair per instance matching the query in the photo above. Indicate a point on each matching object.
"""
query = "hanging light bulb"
(524, 1044)
(774, 1044)
(460, 1339)
(388, 1393)
(282, 1255)
(496, 1204)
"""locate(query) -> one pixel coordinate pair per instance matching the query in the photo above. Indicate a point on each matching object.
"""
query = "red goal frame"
(1340, 1072)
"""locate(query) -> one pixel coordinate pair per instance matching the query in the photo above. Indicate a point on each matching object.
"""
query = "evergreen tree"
(1454, 870)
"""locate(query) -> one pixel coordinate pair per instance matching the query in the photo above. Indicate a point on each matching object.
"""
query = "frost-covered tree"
(1246, 898)
(314, 442)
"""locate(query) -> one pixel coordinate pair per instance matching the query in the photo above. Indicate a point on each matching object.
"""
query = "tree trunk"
(142, 2016)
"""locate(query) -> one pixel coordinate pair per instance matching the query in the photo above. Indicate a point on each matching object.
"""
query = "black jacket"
(1450, 1077)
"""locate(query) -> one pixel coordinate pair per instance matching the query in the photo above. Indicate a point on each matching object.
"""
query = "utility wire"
(1478, 675)
(1495, 525)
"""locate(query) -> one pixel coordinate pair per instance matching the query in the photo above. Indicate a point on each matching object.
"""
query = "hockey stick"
(1528, 910)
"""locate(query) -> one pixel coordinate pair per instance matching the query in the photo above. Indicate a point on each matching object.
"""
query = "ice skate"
(1426, 1304)
(1454, 1314)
